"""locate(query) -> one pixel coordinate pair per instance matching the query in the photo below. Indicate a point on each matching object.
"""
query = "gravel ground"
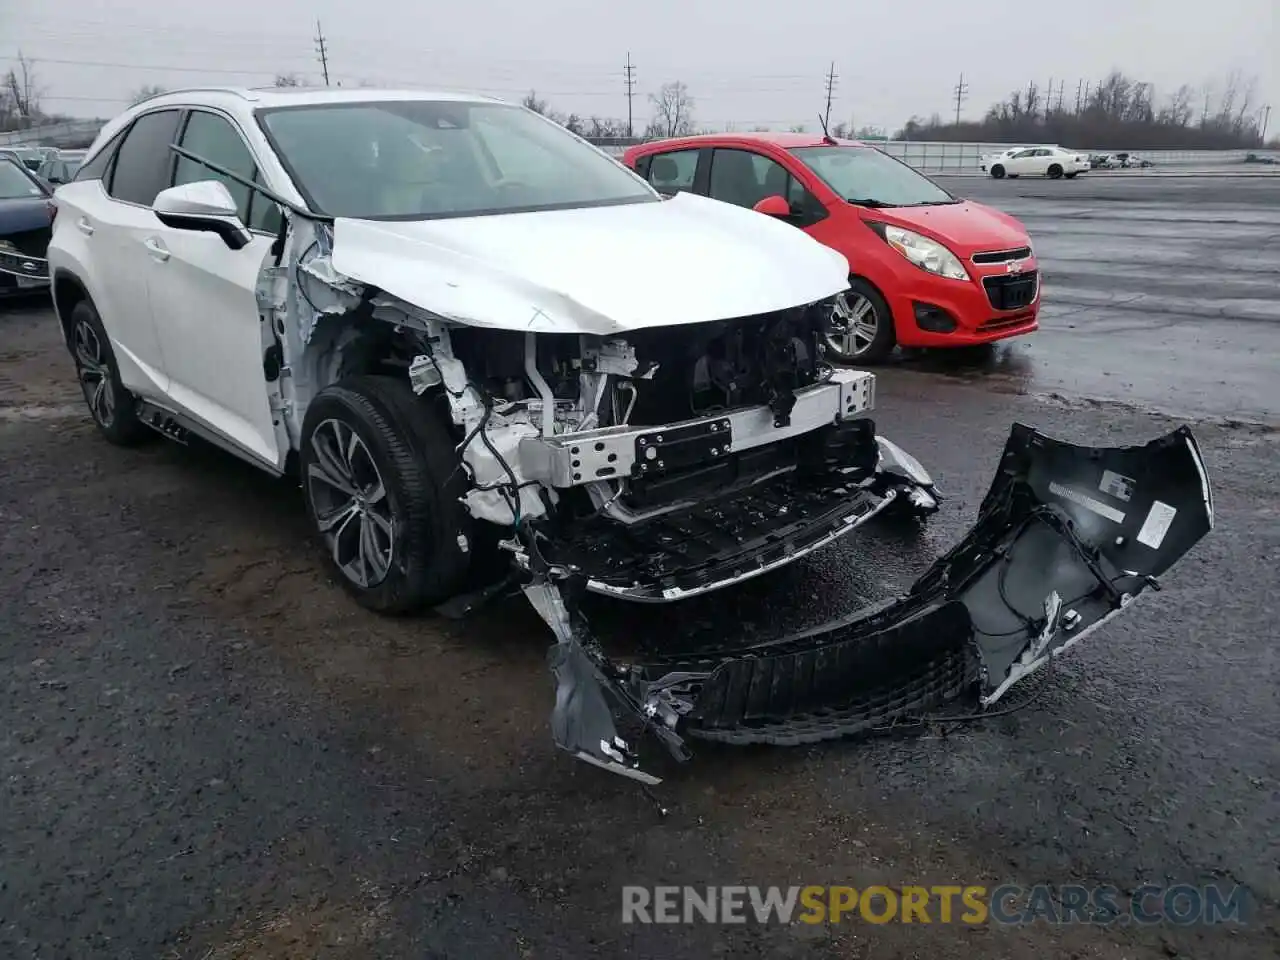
(208, 752)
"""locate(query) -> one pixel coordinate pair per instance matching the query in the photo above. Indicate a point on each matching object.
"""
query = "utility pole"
(323, 51)
(1062, 89)
(1048, 100)
(831, 89)
(962, 93)
(1266, 119)
(1079, 88)
(1087, 85)
(629, 73)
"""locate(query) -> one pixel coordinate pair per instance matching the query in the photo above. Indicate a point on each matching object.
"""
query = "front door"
(204, 301)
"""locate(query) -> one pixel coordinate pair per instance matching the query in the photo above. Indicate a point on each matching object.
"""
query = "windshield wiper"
(874, 204)
(934, 203)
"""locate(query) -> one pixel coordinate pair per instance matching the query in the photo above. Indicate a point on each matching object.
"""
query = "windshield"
(418, 159)
(16, 185)
(866, 176)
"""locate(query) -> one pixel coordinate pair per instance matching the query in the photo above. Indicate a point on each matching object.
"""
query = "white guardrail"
(944, 157)
(71, 133)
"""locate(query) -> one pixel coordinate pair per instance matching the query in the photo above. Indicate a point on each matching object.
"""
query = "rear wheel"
(868, 335)
(112, 407)
(382, 483)
(1055, 171)
(997, 172)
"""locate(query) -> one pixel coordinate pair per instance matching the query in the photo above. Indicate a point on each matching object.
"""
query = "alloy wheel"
(350, 505)
(95, 374)
(861, 324)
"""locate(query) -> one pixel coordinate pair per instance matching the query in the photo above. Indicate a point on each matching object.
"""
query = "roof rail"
(244, 93)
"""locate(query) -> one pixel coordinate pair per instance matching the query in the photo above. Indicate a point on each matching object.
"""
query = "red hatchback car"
(927, 269)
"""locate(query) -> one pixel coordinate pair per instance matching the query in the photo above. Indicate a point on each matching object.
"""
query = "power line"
(323, 53)
(265, 47)
(831, 89)
(630, 75)
(962, 94)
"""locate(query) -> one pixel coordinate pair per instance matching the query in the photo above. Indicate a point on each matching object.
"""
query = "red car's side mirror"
(773, 206)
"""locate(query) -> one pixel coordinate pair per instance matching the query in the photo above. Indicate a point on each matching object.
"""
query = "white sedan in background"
(1052, 162)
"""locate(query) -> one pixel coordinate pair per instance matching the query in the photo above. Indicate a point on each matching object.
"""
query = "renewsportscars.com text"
(1008, 904)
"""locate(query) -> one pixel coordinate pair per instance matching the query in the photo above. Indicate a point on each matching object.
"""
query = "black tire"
(429, 537)
(113, 408)
(885, 338)
(997, 172)
(1072, 176)
(1055, 171)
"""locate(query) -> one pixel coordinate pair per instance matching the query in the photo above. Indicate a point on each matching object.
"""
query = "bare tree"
(532, 102)
(287, 80)
(23, 92)
(601, 127)
(1178, 110)
(672, 110)
(146, 92)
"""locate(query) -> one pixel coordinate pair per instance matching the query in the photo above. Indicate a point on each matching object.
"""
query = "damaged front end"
(652, 463)
(1066, 538)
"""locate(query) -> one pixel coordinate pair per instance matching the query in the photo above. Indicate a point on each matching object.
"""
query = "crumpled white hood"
(598, 270)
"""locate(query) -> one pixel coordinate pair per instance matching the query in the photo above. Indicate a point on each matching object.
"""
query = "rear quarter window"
(144, 160)
(100, 162)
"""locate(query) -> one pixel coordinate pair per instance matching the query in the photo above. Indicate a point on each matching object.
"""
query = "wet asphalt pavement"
(208, 752)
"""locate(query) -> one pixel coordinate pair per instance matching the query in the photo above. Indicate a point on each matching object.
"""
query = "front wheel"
(1072, 176)
(867, 334)
(997, 172)
(382, 483)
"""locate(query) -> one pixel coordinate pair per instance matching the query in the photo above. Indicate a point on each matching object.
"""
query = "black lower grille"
(687, 549)
(1011, 291)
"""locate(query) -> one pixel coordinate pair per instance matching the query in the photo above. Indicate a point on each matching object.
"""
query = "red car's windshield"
(868, 177)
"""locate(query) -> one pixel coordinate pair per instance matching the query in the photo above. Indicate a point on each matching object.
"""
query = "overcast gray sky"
(745, 61)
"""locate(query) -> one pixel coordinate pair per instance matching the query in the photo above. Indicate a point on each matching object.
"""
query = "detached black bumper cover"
(1066, 538)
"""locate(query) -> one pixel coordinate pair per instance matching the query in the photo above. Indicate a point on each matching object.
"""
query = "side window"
(215, 139)
(672, 172)
(745, 178)
(144, 159)
(642, 166)
(1044, 153)
(263, 214)
(96, 169)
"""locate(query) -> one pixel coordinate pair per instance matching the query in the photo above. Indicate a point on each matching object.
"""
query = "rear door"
(204, 298)
(671, 172)
(107, 213)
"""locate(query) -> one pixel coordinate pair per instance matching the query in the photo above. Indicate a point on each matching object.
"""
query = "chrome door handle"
(85, 227)
(156, 249)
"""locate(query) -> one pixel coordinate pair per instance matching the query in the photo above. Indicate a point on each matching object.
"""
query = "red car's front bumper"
(993, 304)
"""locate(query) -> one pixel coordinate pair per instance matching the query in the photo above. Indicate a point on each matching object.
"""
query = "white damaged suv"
(497, 360)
